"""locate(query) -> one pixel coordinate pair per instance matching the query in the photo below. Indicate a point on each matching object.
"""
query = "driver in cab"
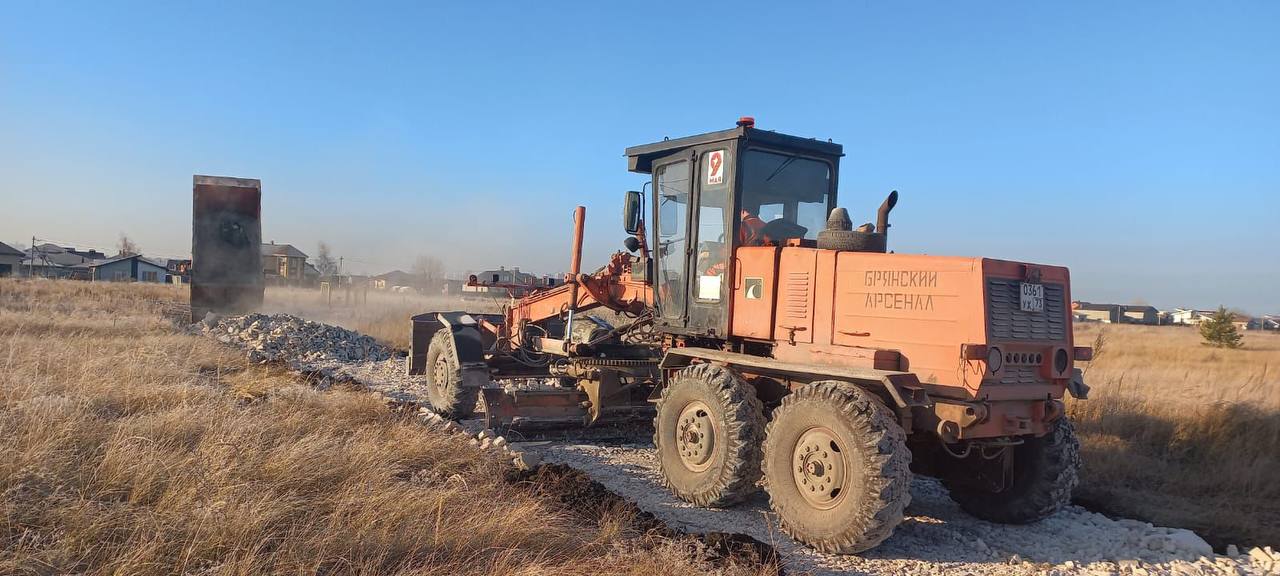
(750, 233)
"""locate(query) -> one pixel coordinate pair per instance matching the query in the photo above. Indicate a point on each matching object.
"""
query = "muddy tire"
(1044, 474)
(449, 398)
(708, 431)
(836, 467)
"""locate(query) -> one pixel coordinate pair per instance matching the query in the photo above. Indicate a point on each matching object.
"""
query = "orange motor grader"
(770, 338)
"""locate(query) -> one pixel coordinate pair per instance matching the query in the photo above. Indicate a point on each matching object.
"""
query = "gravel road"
(936, 537)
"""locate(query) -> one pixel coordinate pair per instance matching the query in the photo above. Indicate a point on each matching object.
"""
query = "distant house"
(10, 260)
(133, 268)
(1192, 317)
(1115, 313)
(1269, 322)
(1189, 316)
(1135, 314)
(39, 266)
(396, 278)
(504, 282)
(178, 271)
(64, 256)
(310, 274)
(283, 264)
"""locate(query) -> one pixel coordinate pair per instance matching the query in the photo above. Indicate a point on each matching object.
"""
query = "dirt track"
(936, 538)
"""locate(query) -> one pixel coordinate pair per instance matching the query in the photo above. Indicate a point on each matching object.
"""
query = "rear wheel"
(448, 396)
(836, 467)
(1039, 483)
(707, 432)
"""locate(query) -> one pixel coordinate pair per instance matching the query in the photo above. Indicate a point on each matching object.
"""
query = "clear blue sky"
(1137, 143)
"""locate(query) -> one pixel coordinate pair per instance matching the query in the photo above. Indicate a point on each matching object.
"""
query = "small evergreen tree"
(1220, 330)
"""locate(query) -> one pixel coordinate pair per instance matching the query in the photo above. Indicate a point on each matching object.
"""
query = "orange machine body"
(954, 322)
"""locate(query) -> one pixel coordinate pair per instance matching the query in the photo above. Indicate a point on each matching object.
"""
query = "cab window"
(788, 193)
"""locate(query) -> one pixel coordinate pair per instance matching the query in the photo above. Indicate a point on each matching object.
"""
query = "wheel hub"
(696, 436)
(818, 468)
(440, 373)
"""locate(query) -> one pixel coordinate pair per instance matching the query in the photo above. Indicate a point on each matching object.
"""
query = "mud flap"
(468, 344)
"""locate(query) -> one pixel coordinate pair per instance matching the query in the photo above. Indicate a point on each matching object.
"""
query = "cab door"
(672, 198)
(710, 265)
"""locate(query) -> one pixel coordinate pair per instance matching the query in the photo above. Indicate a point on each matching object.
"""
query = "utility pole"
(31, 259)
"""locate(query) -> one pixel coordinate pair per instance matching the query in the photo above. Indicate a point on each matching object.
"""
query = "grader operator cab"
(769, 338)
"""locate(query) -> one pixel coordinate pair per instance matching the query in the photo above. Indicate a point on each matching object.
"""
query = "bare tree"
(429, 269)
(325, 262)
(126, 246)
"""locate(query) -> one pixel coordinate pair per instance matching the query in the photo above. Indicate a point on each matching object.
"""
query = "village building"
(39, 266)
(1190, 316)
(132, 268)
(507, 282)
(1115, 313)
(282, 264)
(310, 274)
(397, 279)
(178, 271)
(10, 260)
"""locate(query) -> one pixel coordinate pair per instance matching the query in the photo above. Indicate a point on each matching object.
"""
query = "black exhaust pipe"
(882, 217)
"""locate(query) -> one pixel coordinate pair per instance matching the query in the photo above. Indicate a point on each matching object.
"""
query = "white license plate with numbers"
(1032, 297)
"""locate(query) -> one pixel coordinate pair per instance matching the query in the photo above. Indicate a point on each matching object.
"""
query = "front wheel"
(448, 396)
(1039, 483)
(707, 432)
(837, 467)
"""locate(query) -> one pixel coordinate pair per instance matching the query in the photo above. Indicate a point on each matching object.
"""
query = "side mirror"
(632, 208)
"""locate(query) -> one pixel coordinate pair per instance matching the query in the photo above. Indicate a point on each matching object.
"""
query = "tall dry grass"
(129, 447)
(1183, 434)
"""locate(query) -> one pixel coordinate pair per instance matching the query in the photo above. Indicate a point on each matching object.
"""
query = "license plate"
(1032, 299)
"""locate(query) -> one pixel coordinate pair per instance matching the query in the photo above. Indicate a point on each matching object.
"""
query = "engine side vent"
(796, 294)
(1006, 321)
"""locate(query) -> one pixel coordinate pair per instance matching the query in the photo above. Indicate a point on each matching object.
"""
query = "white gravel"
(936, 537)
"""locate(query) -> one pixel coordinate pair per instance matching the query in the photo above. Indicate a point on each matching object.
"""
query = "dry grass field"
(130, 447)
(1182, 434)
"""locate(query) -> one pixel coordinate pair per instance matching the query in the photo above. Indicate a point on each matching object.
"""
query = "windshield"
(781, 188)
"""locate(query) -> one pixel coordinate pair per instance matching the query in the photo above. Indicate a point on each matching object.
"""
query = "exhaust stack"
(882, 217)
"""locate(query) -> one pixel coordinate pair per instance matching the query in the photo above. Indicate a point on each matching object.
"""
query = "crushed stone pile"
(283, 337)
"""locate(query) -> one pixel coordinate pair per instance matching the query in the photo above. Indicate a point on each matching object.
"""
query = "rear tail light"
(995, 359)
(1083, 353)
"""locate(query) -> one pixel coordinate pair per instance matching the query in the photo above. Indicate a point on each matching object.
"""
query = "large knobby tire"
(707, 432)
(449, 398)
(837, 467)
(1045, 471)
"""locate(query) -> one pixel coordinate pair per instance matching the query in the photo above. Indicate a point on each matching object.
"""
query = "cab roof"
(640, 158)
